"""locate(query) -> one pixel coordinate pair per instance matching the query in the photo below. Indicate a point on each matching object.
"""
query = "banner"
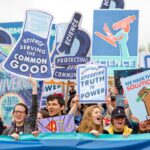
(58, 124)
(115, 39)
(92, 83)
(76, 141)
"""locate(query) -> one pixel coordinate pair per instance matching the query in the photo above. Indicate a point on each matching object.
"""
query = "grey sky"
(14, 10)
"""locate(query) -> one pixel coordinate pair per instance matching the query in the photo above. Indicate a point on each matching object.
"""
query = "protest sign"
(30, 54)
(115, 39)
(59, 124)
(118, 74)
(72, 49)
(14, 90)
(137, 90)
(92, 83)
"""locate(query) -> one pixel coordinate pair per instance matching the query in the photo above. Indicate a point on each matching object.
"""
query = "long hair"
(87, 123)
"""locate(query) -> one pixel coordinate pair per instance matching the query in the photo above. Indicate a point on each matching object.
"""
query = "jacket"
(30, 121)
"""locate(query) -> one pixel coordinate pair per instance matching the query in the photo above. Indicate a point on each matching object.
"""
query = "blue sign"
(30, 54)
(72, 48)
(115, 39)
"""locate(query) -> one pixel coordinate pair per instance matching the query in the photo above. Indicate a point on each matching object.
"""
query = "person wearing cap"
(118, 123)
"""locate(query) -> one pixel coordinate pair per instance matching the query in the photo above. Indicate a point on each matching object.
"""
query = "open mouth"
(98, 118)
(120, 123)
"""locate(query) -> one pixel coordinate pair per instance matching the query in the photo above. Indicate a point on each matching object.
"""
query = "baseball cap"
(118, 112)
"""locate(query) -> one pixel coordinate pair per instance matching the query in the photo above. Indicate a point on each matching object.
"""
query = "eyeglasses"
(17, 111)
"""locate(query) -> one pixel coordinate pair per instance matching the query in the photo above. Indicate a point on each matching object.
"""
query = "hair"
(57, 97)
(113, 98)
(44, 113)
(69, 102)
(23, 105)
(87, 124)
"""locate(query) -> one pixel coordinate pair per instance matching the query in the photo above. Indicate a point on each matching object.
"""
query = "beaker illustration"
(31, 53)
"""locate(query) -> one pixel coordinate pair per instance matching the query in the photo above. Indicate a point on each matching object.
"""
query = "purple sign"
(57, 124)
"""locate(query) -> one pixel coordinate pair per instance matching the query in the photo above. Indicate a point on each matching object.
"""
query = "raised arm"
(108, 104)
(34, 106)
(76, 103)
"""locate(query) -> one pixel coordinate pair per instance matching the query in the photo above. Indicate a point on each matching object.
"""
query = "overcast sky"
(62, 11)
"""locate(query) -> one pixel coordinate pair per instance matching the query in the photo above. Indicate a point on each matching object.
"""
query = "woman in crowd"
(24, 123)
(79, 111)
(92, 121)
(42, 114)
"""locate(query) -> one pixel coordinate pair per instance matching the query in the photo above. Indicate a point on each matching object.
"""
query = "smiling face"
(119, 123)
(19, 115)
(54, 108)
(96, 116)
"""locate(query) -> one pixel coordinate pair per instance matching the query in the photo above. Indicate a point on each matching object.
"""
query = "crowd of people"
(106, 118)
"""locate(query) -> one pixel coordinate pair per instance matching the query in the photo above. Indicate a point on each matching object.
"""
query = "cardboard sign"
(118, 74)
(115, 39)
(30, 54)
(72, 49)
(136, 88)
(92, 83)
